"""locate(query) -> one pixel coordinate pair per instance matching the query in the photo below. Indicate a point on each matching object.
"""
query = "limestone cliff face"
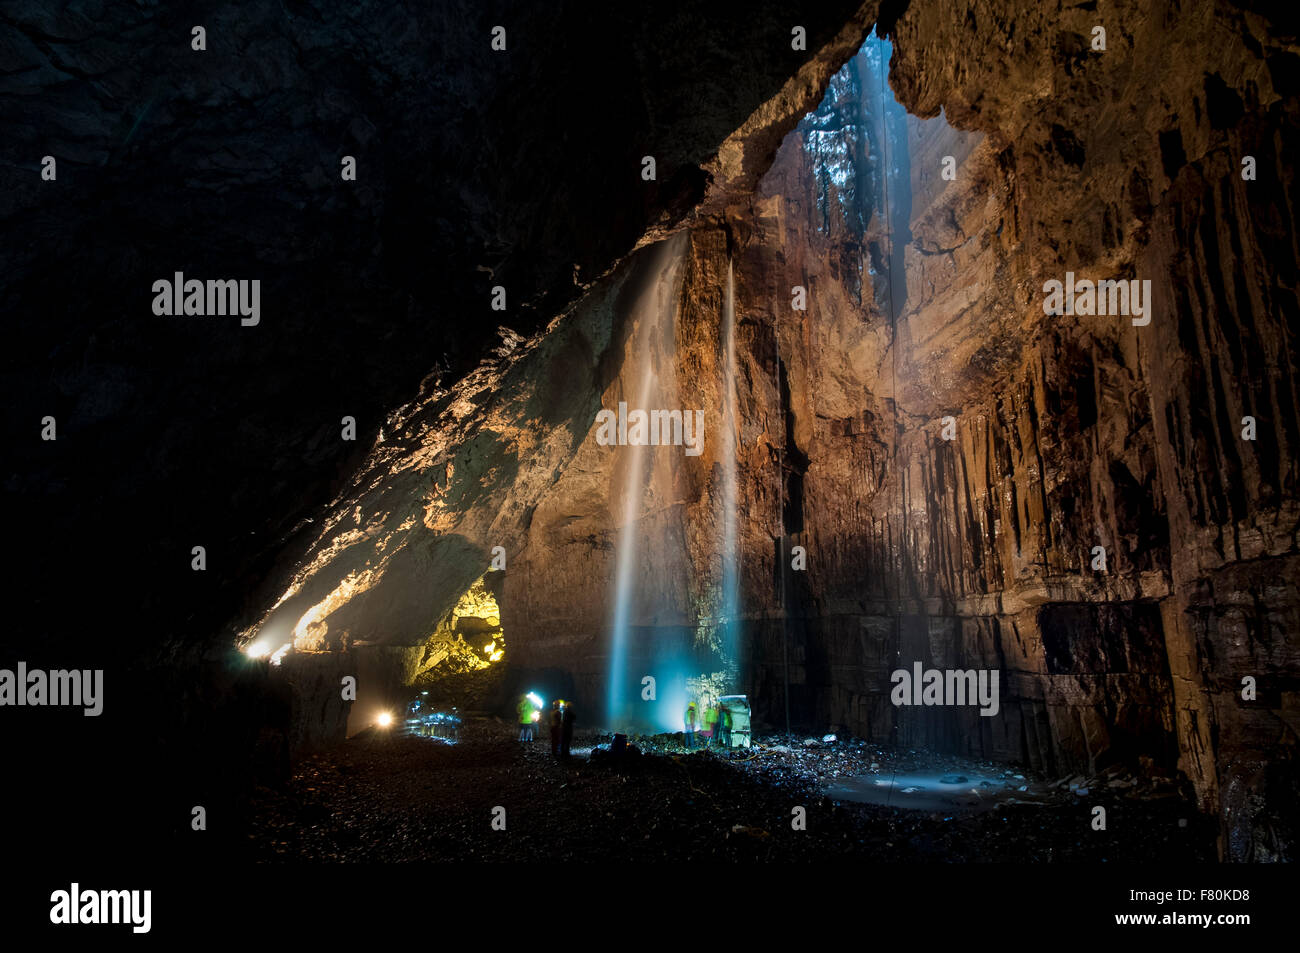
(1075, 431)
(924, 320)
(1124, 163)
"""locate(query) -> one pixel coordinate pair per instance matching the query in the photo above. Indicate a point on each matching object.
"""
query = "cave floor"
(392, 798)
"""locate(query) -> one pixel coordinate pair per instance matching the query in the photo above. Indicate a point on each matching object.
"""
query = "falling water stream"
(730, 542)
(651, 342)
(871, 175)
(653, 350)
(625, 574)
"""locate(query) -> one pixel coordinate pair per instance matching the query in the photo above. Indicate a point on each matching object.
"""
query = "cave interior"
(884, 449)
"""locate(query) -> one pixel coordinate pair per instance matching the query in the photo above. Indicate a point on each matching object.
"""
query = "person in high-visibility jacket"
(723, 730)
(689, 720)
(710, 722)
(525, 709)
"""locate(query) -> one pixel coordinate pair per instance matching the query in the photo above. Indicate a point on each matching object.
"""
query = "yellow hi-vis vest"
(525, 712)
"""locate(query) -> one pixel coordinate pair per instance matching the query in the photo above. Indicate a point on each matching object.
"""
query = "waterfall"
(650, 344)
(730, 609)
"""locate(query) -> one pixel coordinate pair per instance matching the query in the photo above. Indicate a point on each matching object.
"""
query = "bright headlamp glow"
(257, 650)
(384, 720)
(536, 699)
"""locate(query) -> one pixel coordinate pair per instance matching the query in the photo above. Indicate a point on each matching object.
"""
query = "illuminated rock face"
(977, 552)
(470, 638)
(1071, 432)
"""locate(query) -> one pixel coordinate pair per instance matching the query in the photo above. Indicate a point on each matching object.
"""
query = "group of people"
(562, 716)
(715, 728)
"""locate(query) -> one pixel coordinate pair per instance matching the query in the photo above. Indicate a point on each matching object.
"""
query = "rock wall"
(1128, 163)
(1071, 432)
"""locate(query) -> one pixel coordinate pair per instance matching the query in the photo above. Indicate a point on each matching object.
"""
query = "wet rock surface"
(396, 798)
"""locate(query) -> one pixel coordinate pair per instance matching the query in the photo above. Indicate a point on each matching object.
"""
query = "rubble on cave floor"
(852, 770)
(397, 798)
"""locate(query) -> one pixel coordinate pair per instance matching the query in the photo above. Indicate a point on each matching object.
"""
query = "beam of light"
(259, 649)
(669, 710)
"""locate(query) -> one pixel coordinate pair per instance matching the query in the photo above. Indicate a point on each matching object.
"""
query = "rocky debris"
(472, 689)
(623, 757)
(393, 798)
(778, 759)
